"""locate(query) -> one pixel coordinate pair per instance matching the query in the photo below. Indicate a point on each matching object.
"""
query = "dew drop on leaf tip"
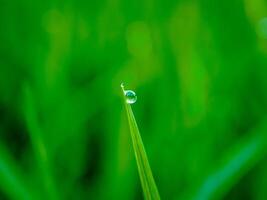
(130, 96)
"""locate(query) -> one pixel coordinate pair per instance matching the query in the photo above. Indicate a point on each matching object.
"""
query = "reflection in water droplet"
(130, 96)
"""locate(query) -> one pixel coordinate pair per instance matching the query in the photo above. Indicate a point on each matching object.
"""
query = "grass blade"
(12, 183)
(39, 146)
(237, 162)
(147, 181)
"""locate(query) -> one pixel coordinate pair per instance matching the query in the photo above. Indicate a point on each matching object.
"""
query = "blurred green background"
(199, 69)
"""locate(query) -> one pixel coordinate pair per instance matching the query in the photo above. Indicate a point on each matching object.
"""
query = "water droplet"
(130, 96)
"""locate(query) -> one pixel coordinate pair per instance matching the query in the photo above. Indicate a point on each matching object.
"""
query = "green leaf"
(147, 181)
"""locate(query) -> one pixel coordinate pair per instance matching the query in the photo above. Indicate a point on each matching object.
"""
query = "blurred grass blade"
(237, 162)
(147, 181)
(12, 183)
(38, 143)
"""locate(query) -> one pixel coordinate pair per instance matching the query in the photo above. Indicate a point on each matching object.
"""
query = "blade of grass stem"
(147, 181)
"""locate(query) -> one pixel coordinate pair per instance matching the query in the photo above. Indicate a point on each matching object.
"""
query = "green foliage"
(13, 183)
(40, 150)
(200, 71)
(237, 162)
